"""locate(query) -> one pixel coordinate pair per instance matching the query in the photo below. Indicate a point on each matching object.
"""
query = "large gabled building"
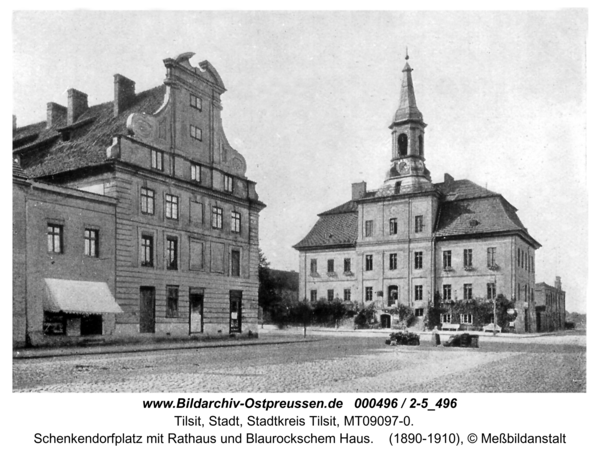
(179, 251)
(412, 239)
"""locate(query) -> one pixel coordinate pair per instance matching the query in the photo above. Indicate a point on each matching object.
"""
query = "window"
(468, 291)
(147, 252)
(491, 291)
(418, 260)
(397, 187)
(468, 258)
(195, 102)
(393, 226)
(91, 241)
(147, 198)
(369, 262)
(157, 160)
(347, 295)
(313, 295)
(491, 257)
(217, 217)
(368, 228)
(330, 295)
(447, 292)
(419, 292)
(55, 238)
(368, 293)
(419, 223)
(419, 312)
(195, 172)
(235, 263)
(402, 144)
(393, 261)
(196, 255)
(420, 145)
(228, 183)
(466, 318)
(330, 266)
(196, 133)
(448, 259)
(171, 206)
(172, 301)
(446, 318)
(171, 253)
(236, 222)
(313, 266)
(347, 265)
(519, 257)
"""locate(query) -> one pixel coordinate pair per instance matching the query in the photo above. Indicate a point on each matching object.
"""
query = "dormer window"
(403, 144)
(157, 160)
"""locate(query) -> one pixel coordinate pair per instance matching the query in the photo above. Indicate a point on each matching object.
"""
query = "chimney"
(448, 178)
(124, 93)
(55, 115)
(14, 122)
(557, 283)
(359, 190)
(78, 104)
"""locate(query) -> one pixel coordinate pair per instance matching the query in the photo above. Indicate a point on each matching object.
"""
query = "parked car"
(405, 337)
(464, 340)
(490, 328)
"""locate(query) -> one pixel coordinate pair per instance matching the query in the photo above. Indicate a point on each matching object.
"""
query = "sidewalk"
(158, 345)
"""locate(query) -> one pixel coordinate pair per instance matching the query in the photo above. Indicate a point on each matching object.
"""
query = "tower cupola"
(408, 139)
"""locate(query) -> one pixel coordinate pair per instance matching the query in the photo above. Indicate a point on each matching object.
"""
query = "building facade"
(185, 221)
(550, 311)
(419, 244)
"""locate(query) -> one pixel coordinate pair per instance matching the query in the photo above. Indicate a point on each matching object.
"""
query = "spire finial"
(406, 58)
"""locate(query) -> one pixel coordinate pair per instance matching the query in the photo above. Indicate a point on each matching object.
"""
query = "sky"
(310, 96)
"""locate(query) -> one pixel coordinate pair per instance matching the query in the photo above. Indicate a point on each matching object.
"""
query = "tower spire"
(408, 169)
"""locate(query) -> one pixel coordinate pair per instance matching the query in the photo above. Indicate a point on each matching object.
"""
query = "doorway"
(196, 310)
(386, 321)
(147, 310)
(235, 311)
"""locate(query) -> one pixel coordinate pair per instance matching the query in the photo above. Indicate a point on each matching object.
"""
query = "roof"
(43, 152)
(477, 216)
(337, 227)
(18, 171)
(466, 209)
(462, 189)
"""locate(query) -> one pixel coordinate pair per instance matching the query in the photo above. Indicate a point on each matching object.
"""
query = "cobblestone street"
(321, 363)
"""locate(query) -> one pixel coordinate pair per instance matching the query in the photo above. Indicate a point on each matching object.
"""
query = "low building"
(184, 229)
(550, 311)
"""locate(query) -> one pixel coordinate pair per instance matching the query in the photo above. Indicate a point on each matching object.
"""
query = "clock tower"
(407, 171)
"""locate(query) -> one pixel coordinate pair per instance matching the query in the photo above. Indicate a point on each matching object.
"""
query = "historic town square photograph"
(299, 201)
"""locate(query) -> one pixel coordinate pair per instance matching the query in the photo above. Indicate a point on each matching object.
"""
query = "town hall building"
(412, 240)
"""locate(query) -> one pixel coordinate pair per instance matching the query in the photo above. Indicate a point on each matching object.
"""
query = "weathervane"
(406, 58)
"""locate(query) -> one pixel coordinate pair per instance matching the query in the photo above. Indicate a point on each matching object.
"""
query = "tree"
(268, 299)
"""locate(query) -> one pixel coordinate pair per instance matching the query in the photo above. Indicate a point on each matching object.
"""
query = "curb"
(127, 349)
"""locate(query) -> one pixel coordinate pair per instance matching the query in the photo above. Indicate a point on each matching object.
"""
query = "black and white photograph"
(372, 205)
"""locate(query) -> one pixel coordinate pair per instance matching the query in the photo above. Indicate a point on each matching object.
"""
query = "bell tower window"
(403, 144)
(420, 145)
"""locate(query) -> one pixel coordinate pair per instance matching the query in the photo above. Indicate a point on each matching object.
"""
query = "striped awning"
(79, 297)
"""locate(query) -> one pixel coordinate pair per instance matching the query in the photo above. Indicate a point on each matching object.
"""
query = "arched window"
(420, 145)
(397, 187)
(402, 144)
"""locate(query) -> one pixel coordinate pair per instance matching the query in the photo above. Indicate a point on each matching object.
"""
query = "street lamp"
(494, 300)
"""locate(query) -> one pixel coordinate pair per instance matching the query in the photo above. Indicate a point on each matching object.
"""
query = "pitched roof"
(337, 227)
(91, 135)
(18, 171)
(462, 189)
